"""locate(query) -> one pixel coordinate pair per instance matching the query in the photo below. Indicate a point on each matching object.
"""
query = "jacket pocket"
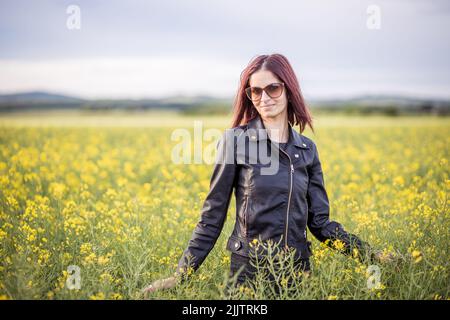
(237, 245)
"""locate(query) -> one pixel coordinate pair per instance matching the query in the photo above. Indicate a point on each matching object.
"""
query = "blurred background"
(92, 94)
(353, 57)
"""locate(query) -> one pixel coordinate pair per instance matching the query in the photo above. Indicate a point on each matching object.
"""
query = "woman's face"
(268, 107)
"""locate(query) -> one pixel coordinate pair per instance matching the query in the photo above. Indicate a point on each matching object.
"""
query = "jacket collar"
(258, 133)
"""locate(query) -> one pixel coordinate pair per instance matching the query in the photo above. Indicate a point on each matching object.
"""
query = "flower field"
(109, 200)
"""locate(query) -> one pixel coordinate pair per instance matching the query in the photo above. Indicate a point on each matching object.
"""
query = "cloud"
(159, 77)
(323, 39)
(121, 78)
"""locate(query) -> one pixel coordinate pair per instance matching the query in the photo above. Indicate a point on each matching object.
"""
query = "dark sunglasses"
(273, 90)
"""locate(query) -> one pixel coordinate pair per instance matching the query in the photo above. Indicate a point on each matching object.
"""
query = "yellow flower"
(226, 260)
(91, 258)
(339, 245)
(57, 189)
(106, 277)
(399, 181)
(102, 260)
(98, 296)
(3, 234)
(253, 243)
(86, 248)
(116, 296)
(417, 255)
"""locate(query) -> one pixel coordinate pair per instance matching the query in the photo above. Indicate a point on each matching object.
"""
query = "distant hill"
(378, 100)
(385, 104)
(37, 97)
(36, 101)
(365, 104)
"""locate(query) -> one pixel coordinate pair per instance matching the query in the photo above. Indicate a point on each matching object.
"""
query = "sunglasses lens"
(253, 93)
(274, 90)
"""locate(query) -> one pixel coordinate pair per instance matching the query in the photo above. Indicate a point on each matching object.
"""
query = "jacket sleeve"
(319, 212)
(215, 207)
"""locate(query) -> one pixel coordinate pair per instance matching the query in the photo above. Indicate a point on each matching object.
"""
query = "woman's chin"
(268, 113)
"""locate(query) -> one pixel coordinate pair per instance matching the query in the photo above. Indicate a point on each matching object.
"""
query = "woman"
(275, 200)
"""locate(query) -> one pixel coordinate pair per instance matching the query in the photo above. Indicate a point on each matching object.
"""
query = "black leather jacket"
(277, 204)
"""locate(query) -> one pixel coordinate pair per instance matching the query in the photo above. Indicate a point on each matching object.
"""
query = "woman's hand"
(160, 284)
(386, 257)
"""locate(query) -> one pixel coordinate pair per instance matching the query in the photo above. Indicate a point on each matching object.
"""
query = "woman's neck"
(277, 128)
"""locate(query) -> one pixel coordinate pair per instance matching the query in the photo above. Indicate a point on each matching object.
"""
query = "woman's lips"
(265, 107)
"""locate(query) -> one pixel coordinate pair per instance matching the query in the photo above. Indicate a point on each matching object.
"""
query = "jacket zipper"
(245, 215)
(289, 198)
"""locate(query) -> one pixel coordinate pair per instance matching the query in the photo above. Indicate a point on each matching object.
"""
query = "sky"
(153, 49)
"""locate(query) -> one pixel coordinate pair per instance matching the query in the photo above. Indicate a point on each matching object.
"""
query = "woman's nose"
(265, 97)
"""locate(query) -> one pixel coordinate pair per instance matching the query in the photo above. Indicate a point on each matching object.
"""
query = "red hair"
(298, 112)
